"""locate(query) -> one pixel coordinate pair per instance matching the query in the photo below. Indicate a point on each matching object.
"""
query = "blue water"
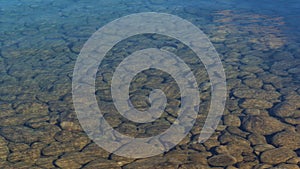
(258, 43)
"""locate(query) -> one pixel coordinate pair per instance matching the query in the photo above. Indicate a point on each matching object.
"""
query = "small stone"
(246, 93)
(232, 120)
(253, 82)
(277, 155)
(287, 166)
(57, 148)
(221, 149)
(29, 156)
(23, 134)
(228, 138)
(253, 112)
(289, 139)
(210, 143)
(294, 160)
(256, 103)
(32, 108)
(67, 164)
(94, 149)
(257, 139)
(263, 166)
(199, 158)
(247, 165)
(263, 147)
(237, 131)
(263, 125)
(293, 121)
(71, 126)
(102, 163)
(192, 166)
(222, 160)
(3, 149)
(147, 163)
(46, 162)
(18, 146)
(74, 160)
(284, 109)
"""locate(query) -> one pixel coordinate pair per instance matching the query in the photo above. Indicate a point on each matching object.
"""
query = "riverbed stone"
(284, 109)
(232, 120)
(264, 125)
(256, 104)
(289, 139)
(253, 82)
(74, 159)
(3, 149)
(102, 163)
(257, 139)
(246, 93)
(23, 134)
(277, 155)
(29, 156)
(222, 160)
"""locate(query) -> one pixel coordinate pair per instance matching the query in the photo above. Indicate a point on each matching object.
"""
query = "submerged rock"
(222, 160)
(264, 125)
(256, 104)
(3, 149)
(288, 139)
(277, 155)
(284, 109)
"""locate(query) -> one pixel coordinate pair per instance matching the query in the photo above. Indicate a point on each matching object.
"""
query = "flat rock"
(255, 93)
(287, 166)
(74, 160)
(23, 134)
(222, 160)
(263, 125)
(3, 149)
(46, 162)
(147, 163)
(257, 139)
(232, 120)
(284, 109)
(102, 163)
(288, 139)
(256, 104)
(29, 156)
(277, 155)
(253, 82)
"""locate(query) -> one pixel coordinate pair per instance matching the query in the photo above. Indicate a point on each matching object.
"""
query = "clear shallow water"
(258, 43)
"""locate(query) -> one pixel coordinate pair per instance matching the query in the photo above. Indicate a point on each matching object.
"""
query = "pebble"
(256, 104)
(277, 155)
(222, 160)
(257, 139)
(3, 149)
(284, 109)
(263, 125)
(289, 139)
(232, 120)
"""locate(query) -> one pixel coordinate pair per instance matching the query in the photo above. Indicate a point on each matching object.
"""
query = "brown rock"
(222, 160)
(277, 155)
(29, 156)
(289, 139)
(256, 139)
(46, 162)
(232, 120)
(287, 166)
(256, 103)
(102, 163)
(263, 125)
(284, 109)
(3, 149)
